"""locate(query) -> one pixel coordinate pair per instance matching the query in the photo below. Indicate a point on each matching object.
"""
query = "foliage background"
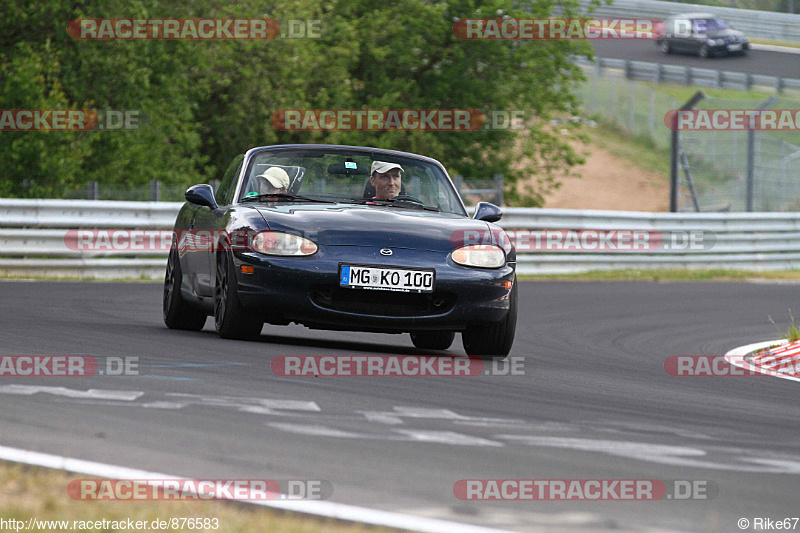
(207, 101)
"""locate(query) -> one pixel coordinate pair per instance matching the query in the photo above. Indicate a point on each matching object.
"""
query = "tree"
(206, 101)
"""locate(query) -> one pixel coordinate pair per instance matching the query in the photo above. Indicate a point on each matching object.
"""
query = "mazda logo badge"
(386, 251)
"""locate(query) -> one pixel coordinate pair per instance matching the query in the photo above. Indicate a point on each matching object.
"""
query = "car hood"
(362, 225)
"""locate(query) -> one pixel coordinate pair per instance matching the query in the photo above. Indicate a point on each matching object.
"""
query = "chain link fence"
(719, 170)
(637, 107)
(740, 170)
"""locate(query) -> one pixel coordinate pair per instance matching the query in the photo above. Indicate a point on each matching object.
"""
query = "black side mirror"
(201, 195)
(487, 212)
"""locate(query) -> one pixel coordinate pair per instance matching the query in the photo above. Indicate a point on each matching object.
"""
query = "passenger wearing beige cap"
(274, 180)
(385, 177)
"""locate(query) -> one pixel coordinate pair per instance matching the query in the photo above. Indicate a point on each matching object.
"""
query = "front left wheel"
(231, 320)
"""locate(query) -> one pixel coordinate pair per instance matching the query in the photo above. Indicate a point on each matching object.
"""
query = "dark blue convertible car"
(342, 238)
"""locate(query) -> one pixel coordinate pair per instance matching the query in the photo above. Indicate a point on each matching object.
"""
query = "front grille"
(382, 303)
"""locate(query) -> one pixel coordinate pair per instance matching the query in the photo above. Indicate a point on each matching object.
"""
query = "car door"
(206, 226)
(681, 35)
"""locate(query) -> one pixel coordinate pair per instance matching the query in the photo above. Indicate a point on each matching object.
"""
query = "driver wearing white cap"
(385, 177)
(274, 180)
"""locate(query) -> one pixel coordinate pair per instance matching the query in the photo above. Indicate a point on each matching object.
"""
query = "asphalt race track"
(763, 62)
(594, 403)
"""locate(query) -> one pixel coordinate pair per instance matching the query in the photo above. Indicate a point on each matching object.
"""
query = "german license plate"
(734, 47)
(386, 279)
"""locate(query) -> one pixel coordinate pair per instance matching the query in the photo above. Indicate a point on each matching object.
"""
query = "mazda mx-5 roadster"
(342, 238)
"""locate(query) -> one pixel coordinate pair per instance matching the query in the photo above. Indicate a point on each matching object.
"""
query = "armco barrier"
(32, 239)
(758, 24)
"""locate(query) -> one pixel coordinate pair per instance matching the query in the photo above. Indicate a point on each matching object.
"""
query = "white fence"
(32, 239)
(759, 24)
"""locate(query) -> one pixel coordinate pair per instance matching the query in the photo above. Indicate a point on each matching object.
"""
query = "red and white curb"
(338, 511)
(774, 362)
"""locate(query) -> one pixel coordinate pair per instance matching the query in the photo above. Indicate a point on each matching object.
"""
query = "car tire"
(177, 313)
(231, 320)
(493, 341)
(704, 52)
(433, 340)
(664, 47)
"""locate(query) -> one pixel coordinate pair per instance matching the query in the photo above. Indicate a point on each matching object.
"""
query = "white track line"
(736, 358)
(350, 513)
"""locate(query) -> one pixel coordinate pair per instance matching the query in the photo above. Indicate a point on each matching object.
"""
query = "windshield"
(343, 175)
(710, 25)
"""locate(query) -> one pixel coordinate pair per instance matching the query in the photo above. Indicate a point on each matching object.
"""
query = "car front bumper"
(306, 290)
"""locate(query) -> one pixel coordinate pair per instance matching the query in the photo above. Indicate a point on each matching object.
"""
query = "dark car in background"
(703, 34)
(328, 254)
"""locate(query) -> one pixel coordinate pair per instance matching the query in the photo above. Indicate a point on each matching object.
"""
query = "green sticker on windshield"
(251, 194)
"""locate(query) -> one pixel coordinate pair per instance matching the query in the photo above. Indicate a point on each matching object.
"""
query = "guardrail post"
(779, 86)
(688, 76)
(631, 110)
(498, 186)
(155, 190)
(628, 73)
(718, 79)
(749, 81)
(659, 72)
(93, 190)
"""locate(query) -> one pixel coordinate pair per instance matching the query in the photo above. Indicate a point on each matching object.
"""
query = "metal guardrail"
(686, 75)
(32, 239)
(758, 24)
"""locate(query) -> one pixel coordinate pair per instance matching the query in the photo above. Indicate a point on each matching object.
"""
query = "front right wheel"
(177, 313)
(231, 319)
(494, 340)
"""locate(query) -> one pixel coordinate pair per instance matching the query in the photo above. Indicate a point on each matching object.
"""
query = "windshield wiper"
(391, 202)
(285, 196)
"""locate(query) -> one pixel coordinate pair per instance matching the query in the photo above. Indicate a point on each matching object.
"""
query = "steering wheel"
(408, 198)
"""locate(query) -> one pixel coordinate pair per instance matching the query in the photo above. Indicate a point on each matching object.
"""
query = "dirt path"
(611, 182)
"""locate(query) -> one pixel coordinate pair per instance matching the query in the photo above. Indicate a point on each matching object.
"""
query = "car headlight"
(480, 255)
(285, 244)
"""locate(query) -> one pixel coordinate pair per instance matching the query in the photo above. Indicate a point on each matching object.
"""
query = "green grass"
(772, 42)
(668, 275)
(639, 149)
(792, 333)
